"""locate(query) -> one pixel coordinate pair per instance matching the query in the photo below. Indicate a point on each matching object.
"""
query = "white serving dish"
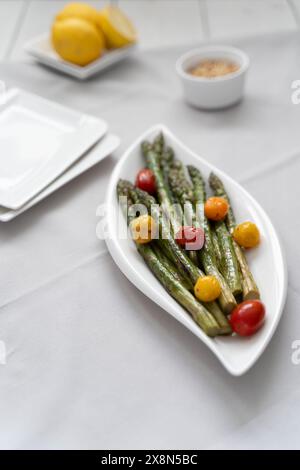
(267, 261)
(100, 150)
(39, 140)
(213, 93)
(41, 49)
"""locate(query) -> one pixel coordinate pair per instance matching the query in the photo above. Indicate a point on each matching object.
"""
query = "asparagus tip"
(214, 181)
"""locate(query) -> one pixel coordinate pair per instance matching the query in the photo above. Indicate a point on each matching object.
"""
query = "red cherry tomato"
(145, 180)
(190, 238)
(247, 317)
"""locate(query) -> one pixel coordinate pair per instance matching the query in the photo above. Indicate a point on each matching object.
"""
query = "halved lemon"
(117, 28)
(80, 10)
(77, 40)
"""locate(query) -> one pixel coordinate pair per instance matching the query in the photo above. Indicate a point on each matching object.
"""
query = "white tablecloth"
(91, 362)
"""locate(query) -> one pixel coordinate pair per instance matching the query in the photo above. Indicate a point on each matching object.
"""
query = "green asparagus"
(159, 143)
(212, 307)
(183, 193)
(169, 265)
(178, 256)
(207, 254)
(176, 269)
(153, 162)
(229, 264)
(217, 251)
(166, 159)
(250, 289)
(200, 314)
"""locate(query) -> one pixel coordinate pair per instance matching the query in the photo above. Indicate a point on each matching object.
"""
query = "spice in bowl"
(212, 68)
(213, 77)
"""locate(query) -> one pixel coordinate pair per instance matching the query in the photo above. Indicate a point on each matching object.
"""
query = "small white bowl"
(218, 92)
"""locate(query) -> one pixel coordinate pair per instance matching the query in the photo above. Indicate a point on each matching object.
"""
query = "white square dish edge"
(40, 139)
(40, 49)
(101, 150)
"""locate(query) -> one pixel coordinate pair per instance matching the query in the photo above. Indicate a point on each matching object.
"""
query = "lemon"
(77, 41)
(117, 28)
(80, 10)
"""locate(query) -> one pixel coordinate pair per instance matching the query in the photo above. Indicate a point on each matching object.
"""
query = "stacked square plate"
(43, 146)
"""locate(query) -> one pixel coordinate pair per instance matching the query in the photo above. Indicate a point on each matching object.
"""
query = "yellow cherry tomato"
(143, 229)
(247, 235)
(207, 288)
(216, 208)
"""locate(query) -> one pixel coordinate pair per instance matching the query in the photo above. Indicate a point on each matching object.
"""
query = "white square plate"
(41, 49)
(101, 150)
(39, 140)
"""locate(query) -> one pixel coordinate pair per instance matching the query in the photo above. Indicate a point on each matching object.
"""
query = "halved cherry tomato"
(247, 317)
(145, 180)
(191, 238)
(216, 208)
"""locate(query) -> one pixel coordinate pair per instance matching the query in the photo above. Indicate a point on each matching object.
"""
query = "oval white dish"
(267, 262)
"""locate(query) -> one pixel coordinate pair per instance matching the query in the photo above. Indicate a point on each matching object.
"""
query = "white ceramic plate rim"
(164, 300)
(110, 58)
(89, 130)
(101, 150)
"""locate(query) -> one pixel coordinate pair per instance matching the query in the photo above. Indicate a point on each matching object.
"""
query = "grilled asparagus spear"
(250, 289)
(183, 193)
(166, 160)
(169, 265)
(159, 163)
(228, 264)
(153, 162)
(179, 256)
(212, 307)
(159, 143)
(201, 316)
(164, 157)
(166, 248)
(217, 251)
(207, 254)
(181, 261)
